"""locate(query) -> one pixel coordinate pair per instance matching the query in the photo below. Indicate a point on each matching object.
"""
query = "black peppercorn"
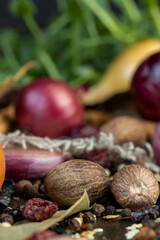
(88, 217)
(74, 225)
(110, 210)
(98, 209)
(126, 212)
(58, 228)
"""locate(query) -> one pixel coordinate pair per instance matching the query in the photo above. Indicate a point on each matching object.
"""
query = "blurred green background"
(72, 40)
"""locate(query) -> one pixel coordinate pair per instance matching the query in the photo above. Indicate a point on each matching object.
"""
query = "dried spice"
(145, 233)
(4, 217)
(88, 217)
(28, 190)
(135, 186)
(24, 231)
(98, 209)
(74, 225)
(77, 146)
(65, 183)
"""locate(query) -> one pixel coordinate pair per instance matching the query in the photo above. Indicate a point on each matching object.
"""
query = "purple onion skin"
(48, 107)
(31, 163)
(145, 88)
(156, 143)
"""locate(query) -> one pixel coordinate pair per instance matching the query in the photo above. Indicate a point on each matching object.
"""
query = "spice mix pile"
(75, 187)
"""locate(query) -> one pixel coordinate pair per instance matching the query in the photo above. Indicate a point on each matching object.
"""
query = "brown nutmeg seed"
(126, 129)
(135, 186)
(65, 183)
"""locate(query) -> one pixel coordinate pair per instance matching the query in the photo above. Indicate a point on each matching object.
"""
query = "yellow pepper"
(117, 79)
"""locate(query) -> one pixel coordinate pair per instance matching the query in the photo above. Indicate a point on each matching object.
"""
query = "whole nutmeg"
(126, 129)
(134, 187)
(65, 183)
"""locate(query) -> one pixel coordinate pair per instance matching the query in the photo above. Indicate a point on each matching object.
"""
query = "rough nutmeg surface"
(134, 187)
(65, 183)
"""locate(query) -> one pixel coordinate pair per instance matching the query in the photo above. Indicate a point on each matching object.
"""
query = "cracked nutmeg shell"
(65, 183)
(135, 186)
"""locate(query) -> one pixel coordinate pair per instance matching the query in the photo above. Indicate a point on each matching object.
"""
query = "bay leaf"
(157, 177)
(24, 231)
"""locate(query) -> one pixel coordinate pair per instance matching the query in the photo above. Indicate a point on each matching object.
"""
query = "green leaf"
(157, 177)
(22, 8)
(24, 231)
(150, 3)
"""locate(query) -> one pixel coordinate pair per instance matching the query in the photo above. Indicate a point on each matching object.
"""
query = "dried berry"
(4, 217)
(46, 235)
(126, 212)
(98, 209)
(84, 131)
(37, 209)
(74, 225)
(88, 217)
(65, 183)
(135, 186)
(145, 213)
(110, 210)
(100, 156)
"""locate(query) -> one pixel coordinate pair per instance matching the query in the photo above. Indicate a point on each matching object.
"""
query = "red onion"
(31, 163)
(156, 143)
(145, 88)
(48, 107)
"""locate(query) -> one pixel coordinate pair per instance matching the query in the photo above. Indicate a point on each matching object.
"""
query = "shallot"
(31, 163)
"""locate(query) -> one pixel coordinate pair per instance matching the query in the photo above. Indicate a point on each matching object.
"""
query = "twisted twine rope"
(77, 146)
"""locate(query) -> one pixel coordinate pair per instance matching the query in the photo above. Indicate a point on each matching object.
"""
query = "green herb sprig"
(80, 41)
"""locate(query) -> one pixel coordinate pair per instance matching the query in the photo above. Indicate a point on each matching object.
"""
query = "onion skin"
(145, 88)
(31, 163)
(48, 107)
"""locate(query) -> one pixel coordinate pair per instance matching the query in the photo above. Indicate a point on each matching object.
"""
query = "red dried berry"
(100, 156)
(84, 131)
(46, 235)
(37, 209)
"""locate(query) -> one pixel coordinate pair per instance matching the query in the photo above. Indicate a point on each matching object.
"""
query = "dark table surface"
(114, 230)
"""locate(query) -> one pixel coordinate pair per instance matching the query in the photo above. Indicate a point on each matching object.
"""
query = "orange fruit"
(2, 166)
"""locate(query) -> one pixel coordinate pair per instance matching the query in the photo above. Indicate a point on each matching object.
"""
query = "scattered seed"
(131, 234)
(90, 237)
(111, 217)
(98, 230)
(157, 220)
